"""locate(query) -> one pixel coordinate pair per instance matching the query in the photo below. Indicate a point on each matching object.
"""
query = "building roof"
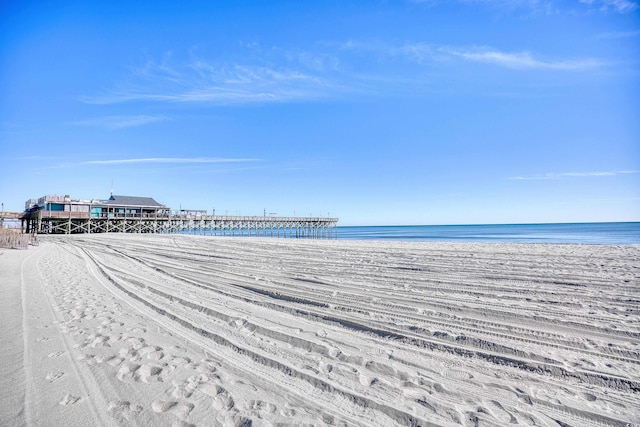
(133, 201)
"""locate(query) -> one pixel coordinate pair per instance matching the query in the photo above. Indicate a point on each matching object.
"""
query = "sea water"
(609, 233)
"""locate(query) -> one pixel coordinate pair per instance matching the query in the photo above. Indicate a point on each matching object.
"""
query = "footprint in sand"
(180, 361)
(499, 412)
(99, 341)
(102, 358)
(69, 329)
(422, 400)
(90, 359)
(115, 337)
(367, 380)
(186, 388)
(114, 360)
(334, 352)
(123, 408)
(207, 366)
(53, 376)
(457, 374)
(198, 379)
(68, 400)
(127, 353)
(326, 367)
(149, 373)
(43, 339)
(288, 412)
(135, 343)
(235, 420)
(223, 402)
(152, 352)
(211, 390)
(162, 405)
(260, 406)
(127, 371)
(588, 397)
(155, 355)
(182, 410)
(181, 392)
(55, 354)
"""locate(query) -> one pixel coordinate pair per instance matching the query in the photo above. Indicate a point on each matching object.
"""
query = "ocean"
(609, 233)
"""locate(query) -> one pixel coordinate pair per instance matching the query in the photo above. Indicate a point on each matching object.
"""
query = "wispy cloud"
(544, 6)
(119, 122)
(515, 60)
(534, 7)
(328, 70)
(173, 160)
(204, 81)
(509, 3)
(553, 175)
(423, 52)
(519, 60)
(621, 6)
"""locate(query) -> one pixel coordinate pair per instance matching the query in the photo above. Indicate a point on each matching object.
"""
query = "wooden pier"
(293, 227)
(45, 222)
(127, 214)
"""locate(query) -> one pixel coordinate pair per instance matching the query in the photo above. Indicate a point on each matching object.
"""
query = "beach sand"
(118, 329)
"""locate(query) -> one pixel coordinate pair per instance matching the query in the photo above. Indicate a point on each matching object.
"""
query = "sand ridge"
(183, 330)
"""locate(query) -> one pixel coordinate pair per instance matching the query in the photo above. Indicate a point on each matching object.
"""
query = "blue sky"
(378, 112)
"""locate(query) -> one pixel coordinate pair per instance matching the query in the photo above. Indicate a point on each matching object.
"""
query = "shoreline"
(162, 329)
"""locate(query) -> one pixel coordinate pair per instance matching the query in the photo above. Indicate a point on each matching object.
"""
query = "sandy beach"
(172, 330)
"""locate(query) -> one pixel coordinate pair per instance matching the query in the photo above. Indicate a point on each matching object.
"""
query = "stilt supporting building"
(125, 214)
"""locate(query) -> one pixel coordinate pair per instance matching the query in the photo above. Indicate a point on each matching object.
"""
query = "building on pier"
(61, 214)
(127, 214)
